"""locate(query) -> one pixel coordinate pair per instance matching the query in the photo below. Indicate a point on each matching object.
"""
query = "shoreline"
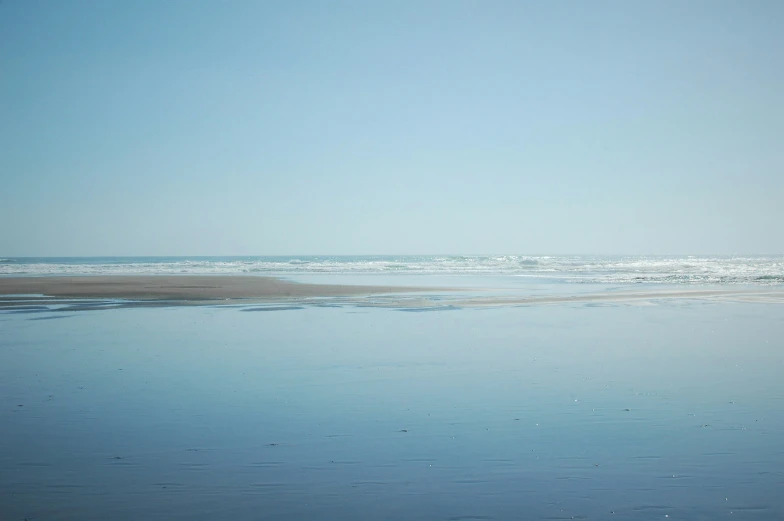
(187, 287)
(179, 290)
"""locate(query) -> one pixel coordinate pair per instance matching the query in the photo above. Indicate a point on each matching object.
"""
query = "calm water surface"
(668, 411)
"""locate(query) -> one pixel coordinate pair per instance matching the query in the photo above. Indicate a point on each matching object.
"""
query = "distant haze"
(215, 128)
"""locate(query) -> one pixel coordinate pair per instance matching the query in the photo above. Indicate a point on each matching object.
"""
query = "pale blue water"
(348, 413)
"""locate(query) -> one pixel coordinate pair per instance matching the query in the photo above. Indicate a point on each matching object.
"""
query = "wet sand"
(732, 295)
(618, 412)
(222, 289)
(184, 287)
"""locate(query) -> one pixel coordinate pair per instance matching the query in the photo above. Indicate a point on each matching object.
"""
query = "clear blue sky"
(192, 127)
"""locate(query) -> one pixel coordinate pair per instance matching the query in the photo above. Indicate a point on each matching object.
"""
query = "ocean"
(574, 269)
(669, 408)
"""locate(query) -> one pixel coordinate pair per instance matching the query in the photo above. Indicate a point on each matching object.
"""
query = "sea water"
(670, 410)
(594, 269)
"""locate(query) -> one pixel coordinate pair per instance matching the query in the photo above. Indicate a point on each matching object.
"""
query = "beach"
(184, 287)
(233, 289)
(333, 389)
(391, 261)
(246, 411)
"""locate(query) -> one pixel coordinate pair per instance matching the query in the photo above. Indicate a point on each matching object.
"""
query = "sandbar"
(227, 289)
(185, 287)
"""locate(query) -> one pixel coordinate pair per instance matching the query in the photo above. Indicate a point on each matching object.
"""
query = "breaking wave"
(729, 269)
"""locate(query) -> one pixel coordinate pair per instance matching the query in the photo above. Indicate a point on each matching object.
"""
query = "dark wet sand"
(184, 287)
(548, 412)
(196, 289)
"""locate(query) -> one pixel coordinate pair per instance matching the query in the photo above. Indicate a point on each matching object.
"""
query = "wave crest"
(765, 270)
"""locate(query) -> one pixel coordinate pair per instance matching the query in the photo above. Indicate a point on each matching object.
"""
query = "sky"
(172, 127)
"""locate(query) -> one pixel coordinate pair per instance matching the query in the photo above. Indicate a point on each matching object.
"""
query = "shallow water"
(540, 412)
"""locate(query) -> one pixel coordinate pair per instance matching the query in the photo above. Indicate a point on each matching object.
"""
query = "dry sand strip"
(187, 287)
